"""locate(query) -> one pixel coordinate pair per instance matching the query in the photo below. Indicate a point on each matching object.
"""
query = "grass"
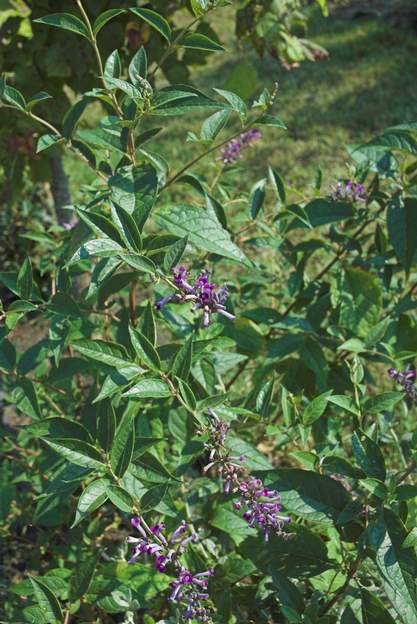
(366, 85)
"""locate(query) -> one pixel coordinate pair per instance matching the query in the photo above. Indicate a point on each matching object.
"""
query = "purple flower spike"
(187, 592)
(348, 191)
(203, 295)
(232, 150)
(406, 380)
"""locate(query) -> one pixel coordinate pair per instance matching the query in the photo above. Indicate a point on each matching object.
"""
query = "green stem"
(206, 152)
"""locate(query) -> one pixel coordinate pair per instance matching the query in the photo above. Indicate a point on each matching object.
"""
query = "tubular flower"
(189, 591)
(233, 150)
(406, 380)
(348, 191)
(203, 295)
(261, 506)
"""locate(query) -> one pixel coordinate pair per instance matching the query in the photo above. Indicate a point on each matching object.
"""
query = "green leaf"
(254, 459)
(144, 349)
(200, 7)
(231, 523)
(113, 66)
(174, 254)
(153, 497)
(360, 301)
(66, 21)
(108, 353)
(278, 185)
(382, 402)
(134, 189)
(263, 400)
(368, 455)
(148, 324)
(105, 17)
(235, 102)
(127, 227)
(150, 469)
(91, 499)
(14, 97)
(203, 229)
(196, 100)
(376, 487)
(309, 495)
(24, 281)
(106, 424)
(396, 564)
(78, 452)
(38, 97)
(198, 41)
(316, 408)
(138, 66)
(123, 444)
(57, 427)
(101, 225)
(271, 121)
(402, 233)
(120, 498)
(182, 362)
(139, 263)
(302, 556)
(73, 116)
(148, 388)
(322, 212)
(81, 578)
(125, 87)
(257, 197)
(47, 601)
(214, 124)
(187, 395)
(373, 610)
(155, 20)
(46, 141)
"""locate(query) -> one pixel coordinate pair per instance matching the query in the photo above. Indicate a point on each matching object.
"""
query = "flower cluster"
(348, 191)
(203, 295)
(155, 544)
(261, 505)
(232, 151)
(189, 591)
(406, 379)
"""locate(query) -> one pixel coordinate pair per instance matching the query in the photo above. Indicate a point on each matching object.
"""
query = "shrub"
(215, 424)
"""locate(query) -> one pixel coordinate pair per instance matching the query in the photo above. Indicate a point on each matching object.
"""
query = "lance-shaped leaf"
(134, 189)
(78, 452)
(155, 20)
(198, 41)
(124, 441)
(396, 564)
(144, 349)
(108, 353)
(91, 499)
(148, 388)
(66, 21)
(47, 601)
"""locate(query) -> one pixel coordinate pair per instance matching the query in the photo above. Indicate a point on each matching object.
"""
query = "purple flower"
(232, 150)
(203, 295)
(406, 380)
(263, 507)
(348, 191)
(189, 590)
